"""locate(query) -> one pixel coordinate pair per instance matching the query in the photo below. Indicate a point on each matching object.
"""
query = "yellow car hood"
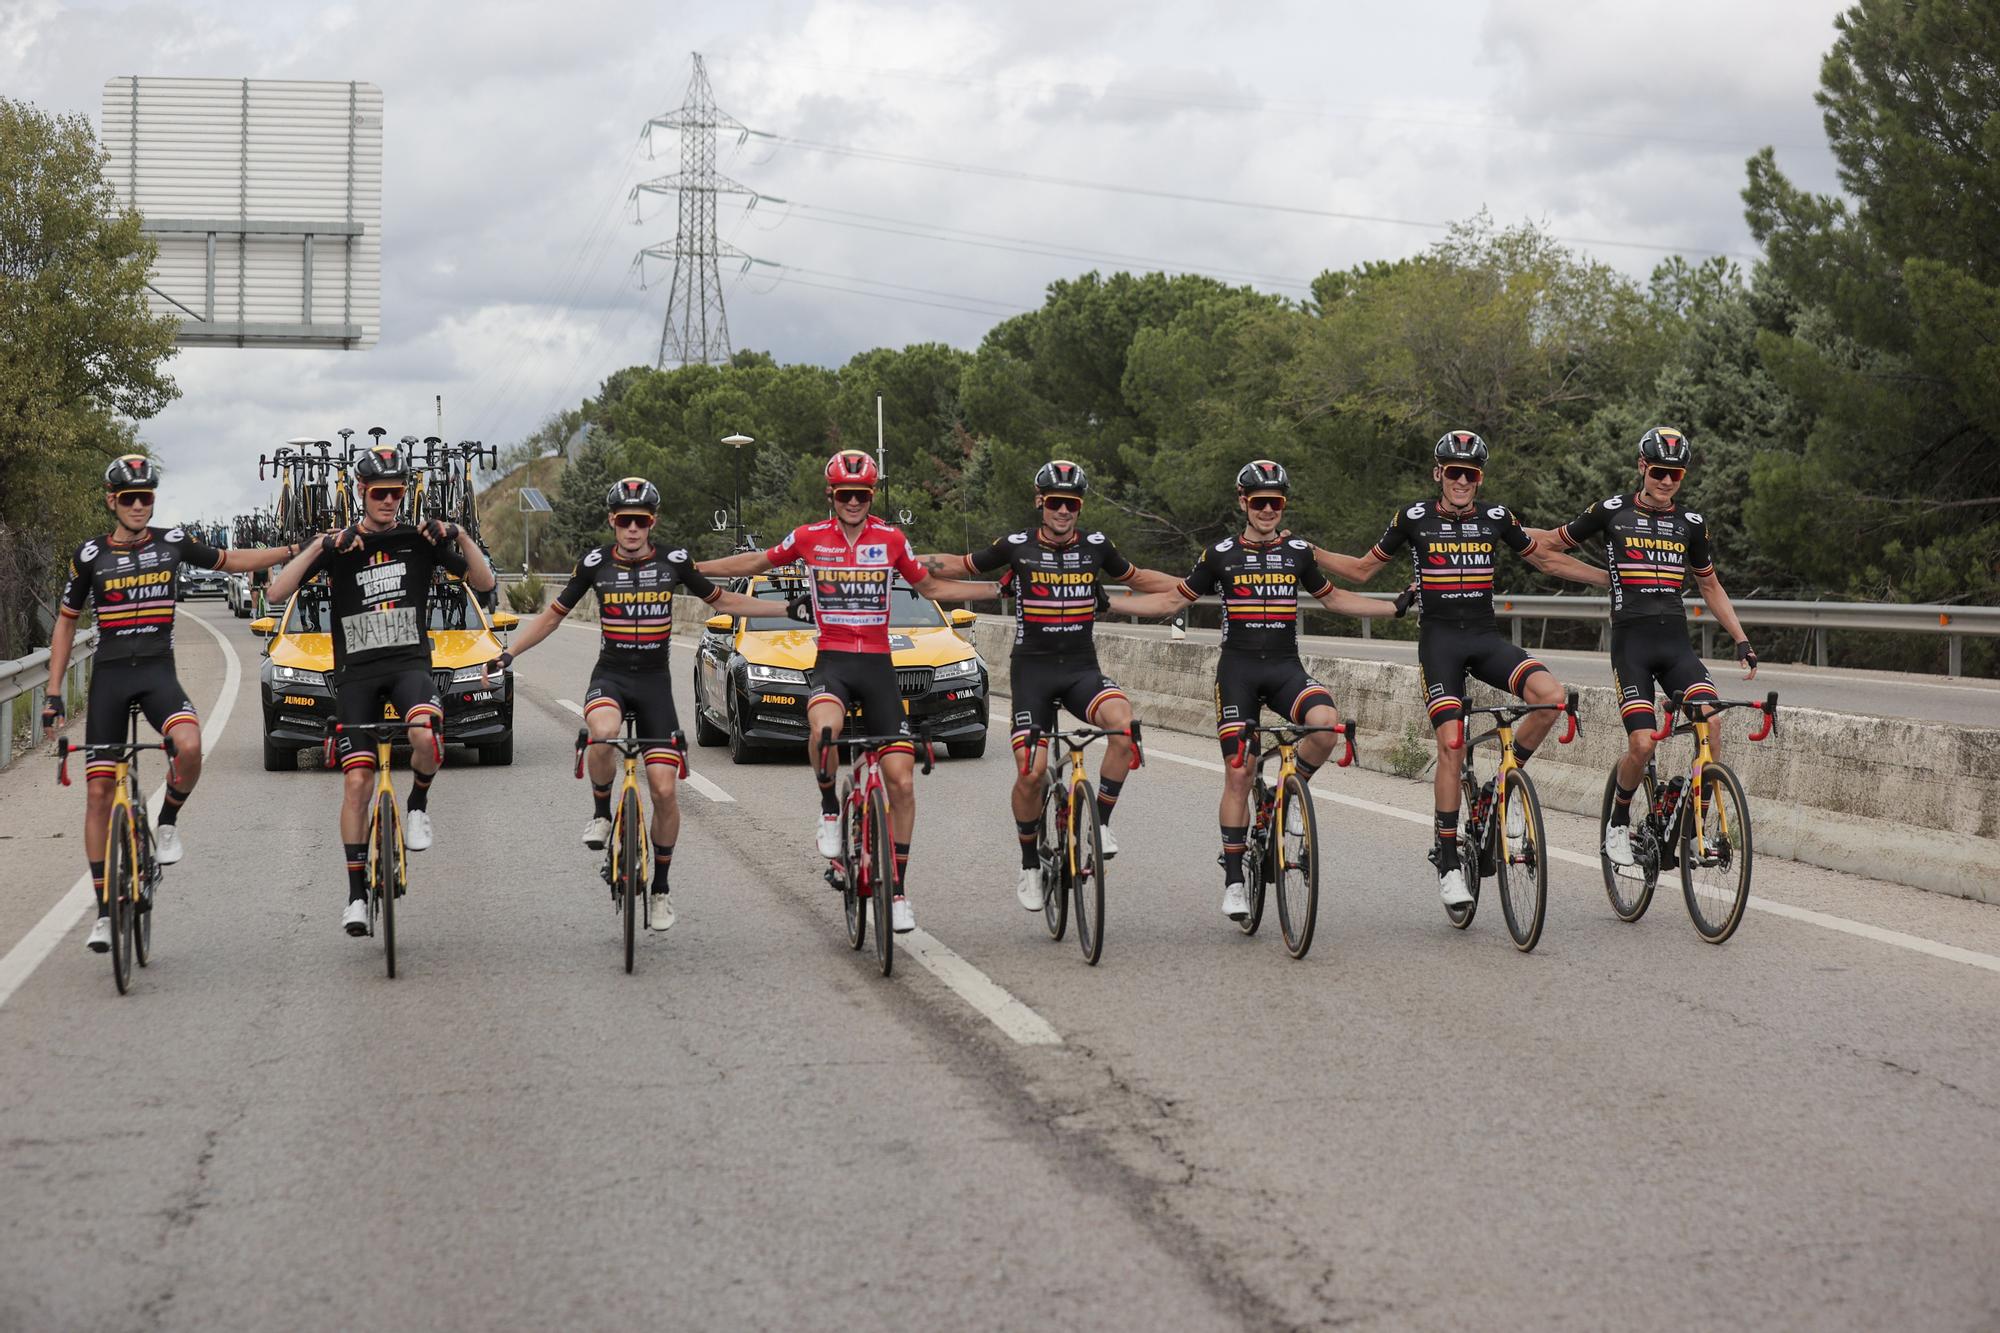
(449, 648)
(798, 649)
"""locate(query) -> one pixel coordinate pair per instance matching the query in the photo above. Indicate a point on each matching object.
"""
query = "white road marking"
(1824, 920)
(40, 941)
(999, 1006)
(692, 778)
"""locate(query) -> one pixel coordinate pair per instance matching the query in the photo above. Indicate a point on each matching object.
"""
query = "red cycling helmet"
(851, 469)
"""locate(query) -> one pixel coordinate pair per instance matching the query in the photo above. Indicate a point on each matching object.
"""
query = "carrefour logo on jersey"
(875, 553)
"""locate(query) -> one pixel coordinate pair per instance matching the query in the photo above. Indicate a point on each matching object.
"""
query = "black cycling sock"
(420, 789)
(1447, 840)
(1306, 769)
(828, 803)
(902, 868)
(1523, 752)
(1621, 804)
(170, 808)
(1027, 830)
(1107, 797)
(600, 800)
(357, 866)
(97, 887)
(663, 859)
(1235, 837)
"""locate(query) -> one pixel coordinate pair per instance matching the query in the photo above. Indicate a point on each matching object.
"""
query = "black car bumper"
(950, 710)
(302, 714)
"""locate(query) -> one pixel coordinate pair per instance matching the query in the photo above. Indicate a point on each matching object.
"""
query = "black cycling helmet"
(1663, 446)
(1059, 476)
(632, 493)
(133, 472)
(381, 462)
(1460, 447)
(1263, 475)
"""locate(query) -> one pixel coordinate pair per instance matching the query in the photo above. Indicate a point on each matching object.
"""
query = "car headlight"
(298, 676)
(766, 675)
(954, 670)
(465, 675)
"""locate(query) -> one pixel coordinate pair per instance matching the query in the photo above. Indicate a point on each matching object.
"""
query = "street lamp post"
(736, 443)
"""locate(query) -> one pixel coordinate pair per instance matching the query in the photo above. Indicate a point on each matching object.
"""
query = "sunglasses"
(631, 520)
(135, 498)
(1666, 473)
(853, 497)
(1062, 504)
(381, 493)
(1462, 474)
(1272, 502)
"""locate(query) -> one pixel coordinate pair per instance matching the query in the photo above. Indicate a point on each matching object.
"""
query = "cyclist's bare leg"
(357, 785)
(1543, 689)
(600, 761)
(825, 715)
(184, 769)
(1114, 714)
(96, 816)
(1314, 749)
(1444, 783)
(1639, 747)
(1026, 797)
(663, 782)
(424, 754)
(1235, 809)
(897, 770)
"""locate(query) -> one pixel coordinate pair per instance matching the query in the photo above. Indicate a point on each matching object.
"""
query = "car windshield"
(906, 609)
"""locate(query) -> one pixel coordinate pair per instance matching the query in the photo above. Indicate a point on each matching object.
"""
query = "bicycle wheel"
(1522, 866)
(120, 866)
(1052, 846)
(1087, 845)
(1630, 888)
(881, 860)
(382, 862)
(149, 873)
(1715, 858)
(629, 886)
(853, 905)
(1468, 855)
(1295, 852)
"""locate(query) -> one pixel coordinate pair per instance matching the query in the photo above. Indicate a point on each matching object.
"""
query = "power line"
(886, 296)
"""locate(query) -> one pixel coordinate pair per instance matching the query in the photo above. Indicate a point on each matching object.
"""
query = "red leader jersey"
(850, 582)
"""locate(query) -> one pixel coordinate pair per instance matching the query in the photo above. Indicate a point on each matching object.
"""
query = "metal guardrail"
(22, 674)
(1955, 622)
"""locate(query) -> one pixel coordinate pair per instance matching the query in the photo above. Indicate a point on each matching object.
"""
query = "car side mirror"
(505, 620)
(962, 618)
(719, 624)
(264, 626)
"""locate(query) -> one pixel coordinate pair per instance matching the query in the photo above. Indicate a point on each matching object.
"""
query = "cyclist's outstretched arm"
(61, 640)
(1147, 605)
(1725, 615)
(287, 580)
(1348, 568)
(740, 604)
(955, 590)
(1547, 556)
(246, 559)
(733, 566)
(532, 633)
(1354, 604)
(946, 566)
(1150, 581)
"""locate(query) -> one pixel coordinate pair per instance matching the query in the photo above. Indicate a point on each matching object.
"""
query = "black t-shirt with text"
(1055, 587)
(381, 595)
(132, 587)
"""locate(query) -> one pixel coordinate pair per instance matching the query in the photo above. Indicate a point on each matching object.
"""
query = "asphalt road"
(1413, 1128)
(1965, 700)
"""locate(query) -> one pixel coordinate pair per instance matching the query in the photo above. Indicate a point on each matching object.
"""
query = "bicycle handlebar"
(1676, 705)
(632, 747)
(66, 747)
(1292, 731)
(847, 747)
(1079, 737)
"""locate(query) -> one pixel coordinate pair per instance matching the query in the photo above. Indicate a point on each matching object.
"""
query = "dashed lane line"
(692, 778)
(27, 954)
(1824, 920)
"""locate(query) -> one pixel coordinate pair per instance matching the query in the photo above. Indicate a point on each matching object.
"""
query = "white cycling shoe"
(826, 836)
(1029, 891)
(1451, 888)
(1517, 822)
(659, 912)
(901, 918)
(1235, 902)
(167, 845)
(417, 830)
(355, 919)
(1618, 844)
(100, 936)
(596, 833)
(1105, 842)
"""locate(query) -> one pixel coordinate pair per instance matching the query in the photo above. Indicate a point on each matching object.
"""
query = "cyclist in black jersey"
(1650, 546)
(1057, 571)
(1454, 543)
(129, 576)
(634, 583)
(379, 575)
(1259, 574)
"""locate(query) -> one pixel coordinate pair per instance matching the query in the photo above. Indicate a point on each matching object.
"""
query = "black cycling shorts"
(147, 683)
(648, 697)
(1246, 682)
(358, 700)
(866, 681)
(1447, 653)
(1656, 649)
(1041, 683)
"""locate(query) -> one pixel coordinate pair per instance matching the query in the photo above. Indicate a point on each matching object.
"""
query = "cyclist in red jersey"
(851, 559)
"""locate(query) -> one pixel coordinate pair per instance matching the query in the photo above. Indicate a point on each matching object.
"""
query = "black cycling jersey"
(1454, 555)
(1259, 583)
(132, 588)
(1649, 553)
(381, 596)
(1055, 587)
(635, 602)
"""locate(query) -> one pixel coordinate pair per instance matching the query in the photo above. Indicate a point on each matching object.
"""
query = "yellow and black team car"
(298, 699)
(750, 685)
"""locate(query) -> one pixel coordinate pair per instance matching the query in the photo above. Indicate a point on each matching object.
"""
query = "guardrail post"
(1604, 637)
(1953, 653)
(1517, 631)
(1707, 640)
(1819, 647)
(7, 733)
(1368, 632)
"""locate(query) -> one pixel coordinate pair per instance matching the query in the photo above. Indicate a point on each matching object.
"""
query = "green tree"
(79, 349)
(577, 523)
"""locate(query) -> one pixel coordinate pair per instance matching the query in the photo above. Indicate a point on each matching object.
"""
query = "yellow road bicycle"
(1503, 835)
(1283, 843)
(388, 863)
(628, 854)
(1069, 843)
(131, 874)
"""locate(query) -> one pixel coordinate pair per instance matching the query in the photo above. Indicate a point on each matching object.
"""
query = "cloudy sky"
(1344, 132)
